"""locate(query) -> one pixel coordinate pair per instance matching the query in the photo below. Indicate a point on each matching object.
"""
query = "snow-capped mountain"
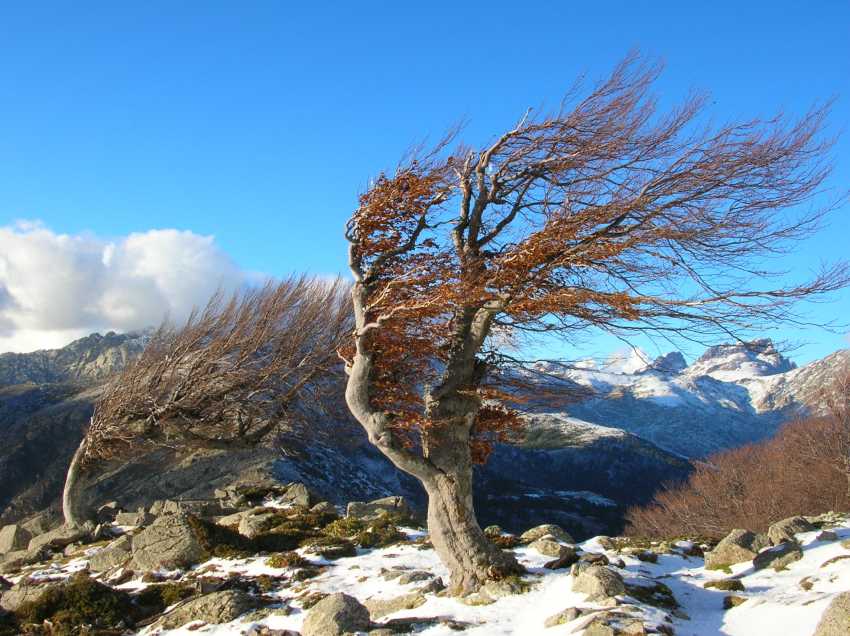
(731, 395)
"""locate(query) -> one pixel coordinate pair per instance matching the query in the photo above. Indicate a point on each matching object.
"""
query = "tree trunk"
(72, 500)
(458, 539)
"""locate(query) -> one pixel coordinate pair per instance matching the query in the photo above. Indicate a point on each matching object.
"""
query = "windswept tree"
(607, 214)
(235, 374)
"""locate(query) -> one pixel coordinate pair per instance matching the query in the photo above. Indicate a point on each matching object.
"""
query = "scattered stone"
(647, 556)
(738, 546)
(387, 505)
(549, 547)
(60, 537)
(565, 616)
(835, 621)
(139, 518)
(806, 583)
(13, 537)
(414, 576)
(505, 587)
(564, 561)
(115, 554)
(335, 615)
(493, 531)
(298, 494)
(599, 581)
(615, 625)
(324, 508)
(778, 557)
(538, 532)
(379, 607)
(215, 608)
(107, 512)
(733, 601)
(23, 592)
(478, 598)
(434, 586)
(255, 522)
(827, 535)
(331, 548)
(786, 529)
(169, 542)
(727, 585)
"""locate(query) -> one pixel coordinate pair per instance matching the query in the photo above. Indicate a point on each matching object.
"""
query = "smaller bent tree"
(606, 214)
(232, 376)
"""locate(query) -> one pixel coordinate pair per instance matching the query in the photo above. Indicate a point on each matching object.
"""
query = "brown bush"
(802, 470)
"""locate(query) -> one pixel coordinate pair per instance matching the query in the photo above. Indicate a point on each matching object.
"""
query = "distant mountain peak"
(740, 360)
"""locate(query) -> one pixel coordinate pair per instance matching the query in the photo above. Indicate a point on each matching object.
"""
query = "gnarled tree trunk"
(73, 508)
(458, 539)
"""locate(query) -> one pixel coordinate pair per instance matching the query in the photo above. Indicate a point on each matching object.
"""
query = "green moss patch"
(657, 595)
(373, 533)
(727, 585)
(286, 560)
(81, 601)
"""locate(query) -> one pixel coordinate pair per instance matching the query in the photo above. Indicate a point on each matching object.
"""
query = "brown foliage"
(605, 214)
(804, 469)
(236, 372)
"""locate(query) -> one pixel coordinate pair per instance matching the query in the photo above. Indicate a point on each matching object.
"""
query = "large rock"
(16, 559)
(254, 522)
(139, 518)
(786, 529)
(550, 547)
(116, 553)
(198, 507)
(386, 505)
(541, 531)
(599, 582)
(835, 621)
(61, 537)
(336, 615)
(13, 537)
(23, 592)
(778, 556)
(736, 547)
(169, 542)
(215, 608)
(380, 607)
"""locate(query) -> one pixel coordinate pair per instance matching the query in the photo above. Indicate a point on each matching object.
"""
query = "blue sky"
(259, 122)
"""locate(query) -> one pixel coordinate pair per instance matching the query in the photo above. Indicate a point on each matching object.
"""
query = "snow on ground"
(776, 604)
(775, 601)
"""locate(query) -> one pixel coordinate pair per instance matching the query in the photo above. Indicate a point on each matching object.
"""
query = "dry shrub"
(799, 471)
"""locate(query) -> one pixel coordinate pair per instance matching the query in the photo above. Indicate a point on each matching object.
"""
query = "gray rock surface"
(380, 607)
(385, 505)
(786, 529)
(835, 620)
(114, 554)
(169, 542)
(60, 537)
(736, 547)
(215, 608)
(550, 547)
(13, 537)
(251, 524)
(599, 582)
(779, 556)
(336, 615)
(540, 531)
(23, 592)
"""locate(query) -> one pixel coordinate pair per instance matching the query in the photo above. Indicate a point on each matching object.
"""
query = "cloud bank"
(58, 287)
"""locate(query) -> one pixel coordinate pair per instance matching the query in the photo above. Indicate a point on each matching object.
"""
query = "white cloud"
(57, 287)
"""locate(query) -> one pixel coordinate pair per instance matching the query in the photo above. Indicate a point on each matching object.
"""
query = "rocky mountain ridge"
(635, 432)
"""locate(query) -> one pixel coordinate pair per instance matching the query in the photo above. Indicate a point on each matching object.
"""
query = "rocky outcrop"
(599, 582)
(550, 529)
(215, 608)
(60, 537)
(13, 537)
(336, 615)
(786, 529)
(738, 546)
(170, 542)
(387, 505)
(23, 592)
(115, 554)
(835, 621)
(778, 557)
